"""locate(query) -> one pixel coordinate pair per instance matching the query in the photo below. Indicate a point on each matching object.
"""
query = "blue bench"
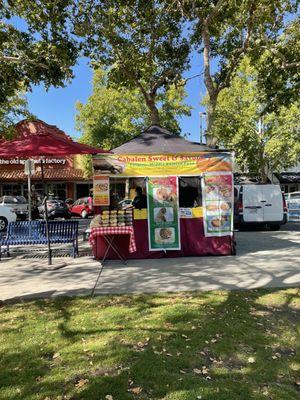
(22, 233)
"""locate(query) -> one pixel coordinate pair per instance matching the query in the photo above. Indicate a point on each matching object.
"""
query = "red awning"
(36, 139)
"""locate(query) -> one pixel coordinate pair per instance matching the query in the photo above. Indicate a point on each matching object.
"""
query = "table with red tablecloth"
(193, 242)
(122, 236)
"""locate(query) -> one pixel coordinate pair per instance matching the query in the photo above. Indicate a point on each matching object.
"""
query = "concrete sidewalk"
(265, 259)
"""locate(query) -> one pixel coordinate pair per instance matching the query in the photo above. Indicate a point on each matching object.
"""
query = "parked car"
(82, 208)
(55, 209)
(260, 205)
(293, 196)
(18, 204)
(125, 203)
(293, 205)
(6, 216)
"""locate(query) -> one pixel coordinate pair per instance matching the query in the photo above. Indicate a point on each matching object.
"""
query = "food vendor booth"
(187, 194)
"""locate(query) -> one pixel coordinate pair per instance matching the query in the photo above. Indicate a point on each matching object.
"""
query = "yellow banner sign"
(180, 164)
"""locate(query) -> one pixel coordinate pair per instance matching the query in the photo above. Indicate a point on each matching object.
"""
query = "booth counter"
(193, 240)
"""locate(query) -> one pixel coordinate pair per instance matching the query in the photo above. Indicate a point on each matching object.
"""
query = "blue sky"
(57, 105)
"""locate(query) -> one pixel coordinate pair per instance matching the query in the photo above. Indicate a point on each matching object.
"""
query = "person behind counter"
(140, 200)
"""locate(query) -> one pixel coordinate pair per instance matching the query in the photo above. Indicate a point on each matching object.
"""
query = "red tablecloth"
(114, 231)
(193, 242)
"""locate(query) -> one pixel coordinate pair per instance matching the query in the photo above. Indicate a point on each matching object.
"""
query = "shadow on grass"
(230, 341)
(231, 334)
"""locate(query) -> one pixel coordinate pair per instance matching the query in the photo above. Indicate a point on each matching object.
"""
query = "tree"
(226, 31)
(43, 51)
(261, 144)
(278, 69)
(15, 109)
(113, 115)
(140, 40)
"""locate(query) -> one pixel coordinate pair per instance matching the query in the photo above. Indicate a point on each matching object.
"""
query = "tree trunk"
(262, 165)
(210, 116)
(154, 114)
(212, 90)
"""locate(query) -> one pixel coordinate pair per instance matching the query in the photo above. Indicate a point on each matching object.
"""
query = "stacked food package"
(113, 218)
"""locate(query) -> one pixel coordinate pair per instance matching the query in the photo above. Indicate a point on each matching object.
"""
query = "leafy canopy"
(42, 51)
(226, 31)
(113, 115)
(141, 41)
(278, 69)
(271, 145)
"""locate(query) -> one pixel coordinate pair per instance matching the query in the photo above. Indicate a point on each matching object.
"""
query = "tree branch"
(290, 65)
(19, 60)
(279, 54)
(239, 52)
(215, 11)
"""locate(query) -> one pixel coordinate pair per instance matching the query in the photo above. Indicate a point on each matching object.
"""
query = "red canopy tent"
(38, 139)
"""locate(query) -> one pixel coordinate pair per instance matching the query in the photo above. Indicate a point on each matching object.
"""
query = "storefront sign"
(163, 213)
(100, 190)
(20, 161)
(217, 189)
(188, 164)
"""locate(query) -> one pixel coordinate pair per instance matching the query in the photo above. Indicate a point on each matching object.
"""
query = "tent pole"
(46, 218)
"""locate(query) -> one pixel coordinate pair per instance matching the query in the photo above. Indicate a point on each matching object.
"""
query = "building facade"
(63, 176)
(289, 180)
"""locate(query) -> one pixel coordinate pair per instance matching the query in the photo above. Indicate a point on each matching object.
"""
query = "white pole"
(29, 194)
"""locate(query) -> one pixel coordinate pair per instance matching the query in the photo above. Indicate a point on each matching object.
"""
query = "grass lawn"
(211, 346)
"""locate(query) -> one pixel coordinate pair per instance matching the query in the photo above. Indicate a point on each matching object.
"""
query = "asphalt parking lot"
(264, 259)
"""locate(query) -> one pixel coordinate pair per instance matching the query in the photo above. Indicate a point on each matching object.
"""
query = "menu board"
(163, 213)
(217, 189)
(100, 190)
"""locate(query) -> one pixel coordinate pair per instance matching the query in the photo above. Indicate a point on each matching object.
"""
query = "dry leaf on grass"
(135, 390)
(81, 383)
(197, 371)
(55, 355)
(109, 397)
(251, 360)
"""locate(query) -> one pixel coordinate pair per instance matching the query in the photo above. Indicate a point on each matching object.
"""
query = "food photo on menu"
(214, 207)
(214, 192)
(218, 222)
(164, 194)
(103, 187)
(164, 235)
(225, 191)
(163, 214)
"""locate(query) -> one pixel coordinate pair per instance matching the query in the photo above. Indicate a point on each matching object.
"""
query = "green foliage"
(225, 31)
(42, 51)
(15, 109)
(140, 41)
(278, 69)
(113, 115)
(275, 145)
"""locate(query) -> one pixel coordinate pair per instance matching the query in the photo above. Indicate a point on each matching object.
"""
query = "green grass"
(210, 346)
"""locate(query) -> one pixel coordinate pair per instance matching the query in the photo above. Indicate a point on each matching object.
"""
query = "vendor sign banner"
(163, 213)
(217, 189)
(100, 190)
(184, 164)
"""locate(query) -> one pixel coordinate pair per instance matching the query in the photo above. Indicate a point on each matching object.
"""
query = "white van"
(260, 205)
